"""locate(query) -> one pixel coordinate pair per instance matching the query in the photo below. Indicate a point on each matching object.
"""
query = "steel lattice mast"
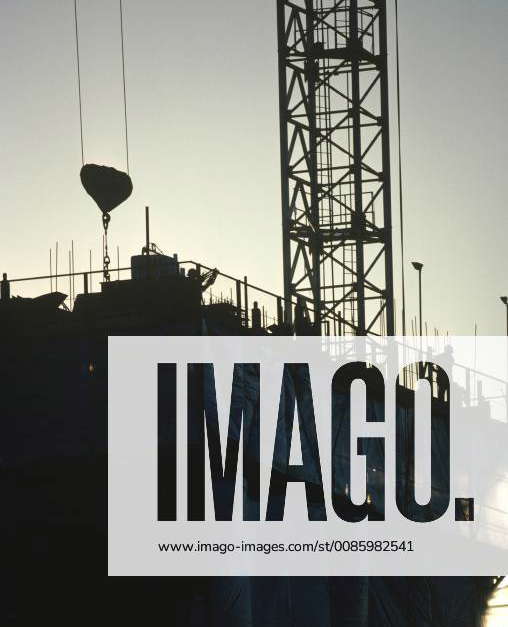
(335, 162)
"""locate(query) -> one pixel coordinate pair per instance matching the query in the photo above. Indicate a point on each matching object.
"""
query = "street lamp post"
(504, 300)
(419, 267)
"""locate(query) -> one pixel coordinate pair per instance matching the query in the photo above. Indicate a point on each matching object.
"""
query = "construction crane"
(335, 164)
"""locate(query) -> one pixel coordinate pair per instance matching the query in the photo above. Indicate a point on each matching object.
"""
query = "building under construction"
(338, 280)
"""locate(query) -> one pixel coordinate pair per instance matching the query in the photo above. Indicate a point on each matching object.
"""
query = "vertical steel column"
(358, 222)
(284, 163)
(312, 76)
(387, 195)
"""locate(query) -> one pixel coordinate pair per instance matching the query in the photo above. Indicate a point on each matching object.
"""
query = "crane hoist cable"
(122, 38)
(401, 197)
(79, 81)
(108, 186)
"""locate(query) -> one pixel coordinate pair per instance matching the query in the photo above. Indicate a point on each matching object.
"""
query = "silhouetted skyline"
(203, 131)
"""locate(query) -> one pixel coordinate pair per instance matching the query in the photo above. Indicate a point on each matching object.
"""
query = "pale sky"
(203, 127)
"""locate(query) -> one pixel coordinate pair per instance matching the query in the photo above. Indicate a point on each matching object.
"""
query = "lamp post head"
(504, 299)
(417, 265)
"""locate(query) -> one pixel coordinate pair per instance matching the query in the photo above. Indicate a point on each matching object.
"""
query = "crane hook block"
(107, 186)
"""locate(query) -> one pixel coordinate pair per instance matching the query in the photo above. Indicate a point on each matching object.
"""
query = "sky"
(204, 145)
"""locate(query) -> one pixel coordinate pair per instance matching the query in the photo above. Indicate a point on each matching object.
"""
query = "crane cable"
(105, 217)
(80, 99)
(124, 88)
(401, 200)
(79, 81)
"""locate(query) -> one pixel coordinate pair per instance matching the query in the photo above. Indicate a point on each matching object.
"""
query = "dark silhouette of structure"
(335, 163)
(53, 451)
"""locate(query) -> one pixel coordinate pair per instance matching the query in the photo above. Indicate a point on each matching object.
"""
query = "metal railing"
(240, 293)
